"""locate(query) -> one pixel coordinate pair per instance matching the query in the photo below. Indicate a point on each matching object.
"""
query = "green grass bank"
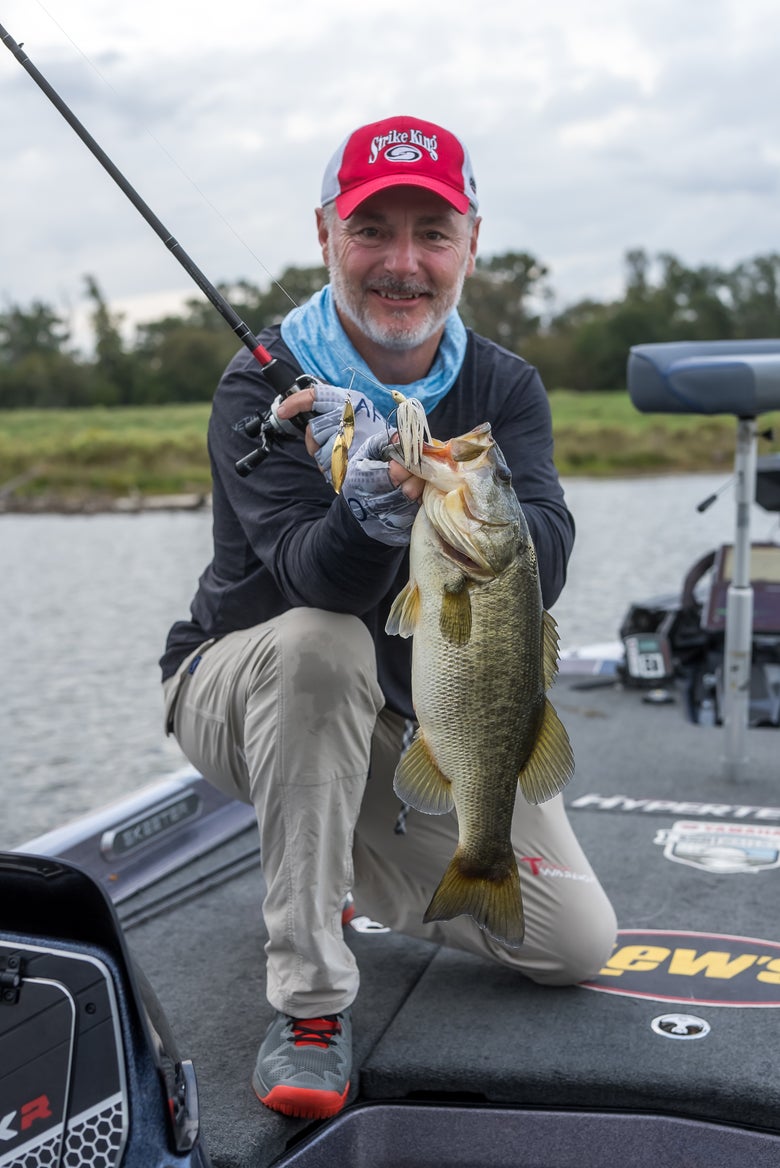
(90, 457)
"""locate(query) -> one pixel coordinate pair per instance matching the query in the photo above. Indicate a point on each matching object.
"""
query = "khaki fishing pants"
(288, 716)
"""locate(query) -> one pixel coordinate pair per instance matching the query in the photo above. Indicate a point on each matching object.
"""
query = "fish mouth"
(457, 450)
(464, 447)
(451, 454)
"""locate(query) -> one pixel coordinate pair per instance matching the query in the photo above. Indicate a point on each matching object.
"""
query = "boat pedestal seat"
(705, 377)
(741, 378)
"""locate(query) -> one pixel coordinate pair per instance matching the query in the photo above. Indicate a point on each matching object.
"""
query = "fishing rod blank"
(278, 374)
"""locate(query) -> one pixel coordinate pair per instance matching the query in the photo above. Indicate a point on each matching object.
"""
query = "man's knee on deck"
(573, 951)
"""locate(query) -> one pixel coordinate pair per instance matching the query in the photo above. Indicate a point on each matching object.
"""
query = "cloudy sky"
(593, 128)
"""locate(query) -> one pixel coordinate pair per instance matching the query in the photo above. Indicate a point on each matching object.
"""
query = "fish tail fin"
(551, 763)
(492, 898)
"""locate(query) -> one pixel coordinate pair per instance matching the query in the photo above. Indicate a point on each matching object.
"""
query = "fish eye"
(503, 473)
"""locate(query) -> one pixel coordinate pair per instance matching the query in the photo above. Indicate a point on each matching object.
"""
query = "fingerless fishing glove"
(382, 510)
(329, 406)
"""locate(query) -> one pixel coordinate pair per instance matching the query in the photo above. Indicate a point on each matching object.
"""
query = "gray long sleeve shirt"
(282, 539)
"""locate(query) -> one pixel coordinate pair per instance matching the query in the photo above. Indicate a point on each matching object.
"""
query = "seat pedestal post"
(739, 609)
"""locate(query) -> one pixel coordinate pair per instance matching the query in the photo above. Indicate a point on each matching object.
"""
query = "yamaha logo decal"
(706, 969)
(722, 848)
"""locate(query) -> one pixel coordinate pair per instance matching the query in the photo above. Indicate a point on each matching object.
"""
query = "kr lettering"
(39, 1108)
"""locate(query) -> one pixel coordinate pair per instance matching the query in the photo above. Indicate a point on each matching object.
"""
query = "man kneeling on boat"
(283, 688)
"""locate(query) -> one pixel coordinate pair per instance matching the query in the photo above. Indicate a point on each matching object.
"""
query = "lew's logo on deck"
(724, 848)
(707, 969)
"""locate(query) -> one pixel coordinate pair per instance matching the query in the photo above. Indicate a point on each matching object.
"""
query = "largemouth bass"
(483, 655)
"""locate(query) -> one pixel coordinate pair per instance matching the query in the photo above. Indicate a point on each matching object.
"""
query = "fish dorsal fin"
(420, 783)
(549, 649)
(551, 763)
(455, 615)
(404, 612)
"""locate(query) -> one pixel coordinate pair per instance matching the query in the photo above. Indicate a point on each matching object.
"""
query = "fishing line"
(354, 373)
(279, 374)
(171, 158)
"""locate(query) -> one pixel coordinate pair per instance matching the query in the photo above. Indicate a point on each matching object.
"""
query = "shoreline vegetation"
(141, 458)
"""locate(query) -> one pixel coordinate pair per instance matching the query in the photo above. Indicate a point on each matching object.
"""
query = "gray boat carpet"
(690, 859)
(203, 956)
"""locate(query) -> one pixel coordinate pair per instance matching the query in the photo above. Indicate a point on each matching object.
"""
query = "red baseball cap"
(400, 151)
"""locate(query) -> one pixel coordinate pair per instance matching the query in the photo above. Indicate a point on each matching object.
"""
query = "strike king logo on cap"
(399, 151)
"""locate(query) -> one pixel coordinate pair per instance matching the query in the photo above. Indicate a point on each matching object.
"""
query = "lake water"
(87, 602)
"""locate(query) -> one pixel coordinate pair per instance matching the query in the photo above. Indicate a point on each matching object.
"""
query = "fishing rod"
(268, 428)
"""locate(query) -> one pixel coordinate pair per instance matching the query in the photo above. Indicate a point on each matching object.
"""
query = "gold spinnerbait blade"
(412, 427)
(340, 453)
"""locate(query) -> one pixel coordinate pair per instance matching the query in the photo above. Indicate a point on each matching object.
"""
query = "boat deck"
(457, 1061)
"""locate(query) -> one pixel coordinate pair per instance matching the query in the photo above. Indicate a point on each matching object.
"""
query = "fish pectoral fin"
(551, 763)
(549, 649)
(493, 899)
(405, 612)
(419, 781)
(455, 615)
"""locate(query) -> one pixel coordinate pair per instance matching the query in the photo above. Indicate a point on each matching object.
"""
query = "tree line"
(584, 347)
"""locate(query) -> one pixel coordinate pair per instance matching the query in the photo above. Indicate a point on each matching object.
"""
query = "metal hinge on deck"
(10, 979)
